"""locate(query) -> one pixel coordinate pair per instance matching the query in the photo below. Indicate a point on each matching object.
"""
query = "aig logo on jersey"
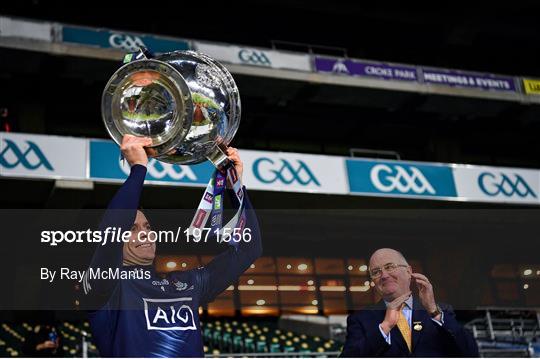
(169, 314)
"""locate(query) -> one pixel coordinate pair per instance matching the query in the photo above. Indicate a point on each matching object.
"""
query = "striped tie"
(405, 330)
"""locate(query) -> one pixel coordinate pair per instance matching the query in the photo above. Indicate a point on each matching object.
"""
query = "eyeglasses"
(388, 267)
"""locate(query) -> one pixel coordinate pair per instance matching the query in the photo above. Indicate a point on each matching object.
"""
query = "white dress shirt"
(407, 312)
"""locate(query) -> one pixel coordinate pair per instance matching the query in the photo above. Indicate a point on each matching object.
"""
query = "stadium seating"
(220, 336)
(231, 336)
(512, 334)
(13, 336)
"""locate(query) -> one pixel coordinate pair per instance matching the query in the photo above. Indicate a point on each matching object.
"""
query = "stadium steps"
(507, 332)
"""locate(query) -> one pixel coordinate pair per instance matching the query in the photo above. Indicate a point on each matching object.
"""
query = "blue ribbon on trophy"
(210, 208)
(189, 105)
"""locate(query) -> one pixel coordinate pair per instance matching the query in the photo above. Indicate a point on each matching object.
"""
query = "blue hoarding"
(400, 178)
(105, 163)
(120, 40)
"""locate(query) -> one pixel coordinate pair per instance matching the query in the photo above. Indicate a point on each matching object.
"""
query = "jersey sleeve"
(120, 213)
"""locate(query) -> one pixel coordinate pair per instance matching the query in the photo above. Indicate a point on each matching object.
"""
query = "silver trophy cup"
(185, 101)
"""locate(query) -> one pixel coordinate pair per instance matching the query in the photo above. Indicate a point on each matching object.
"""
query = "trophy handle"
(218, 157)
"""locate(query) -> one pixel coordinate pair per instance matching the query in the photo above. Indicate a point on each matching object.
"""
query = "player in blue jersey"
(151, 316)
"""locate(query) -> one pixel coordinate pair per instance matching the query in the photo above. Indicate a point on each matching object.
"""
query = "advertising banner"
(294, 172)
(398, 178)
(120, 40)
(107, 165)
(365, 69)
(532, 87)
(468, 80)
(496, 184)
(55, 157)
(255, 57)
(23, 29)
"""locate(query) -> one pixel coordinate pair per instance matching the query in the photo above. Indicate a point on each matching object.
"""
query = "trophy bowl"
(185, 101)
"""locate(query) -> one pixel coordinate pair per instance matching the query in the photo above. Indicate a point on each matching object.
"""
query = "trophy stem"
(218, 157)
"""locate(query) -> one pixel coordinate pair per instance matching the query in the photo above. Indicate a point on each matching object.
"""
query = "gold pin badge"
(417, 326)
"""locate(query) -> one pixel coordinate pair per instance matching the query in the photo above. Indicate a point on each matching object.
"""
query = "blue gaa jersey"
(150, 316)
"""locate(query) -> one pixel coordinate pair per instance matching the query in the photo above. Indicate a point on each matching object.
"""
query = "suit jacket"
(364, 338)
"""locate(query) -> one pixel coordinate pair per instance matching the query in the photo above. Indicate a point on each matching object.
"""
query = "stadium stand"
(75, 339)
(501, 332)
(507, 332)
(222, 336)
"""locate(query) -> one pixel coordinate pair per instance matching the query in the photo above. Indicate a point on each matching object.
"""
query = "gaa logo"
(493, 185)
(254, 57)
(126, 42)
(30, 157)
(164, 171)
(401, 179)
(169, 314)
(268, 171)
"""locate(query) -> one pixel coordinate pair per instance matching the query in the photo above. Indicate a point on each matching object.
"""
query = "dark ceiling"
(495, 37)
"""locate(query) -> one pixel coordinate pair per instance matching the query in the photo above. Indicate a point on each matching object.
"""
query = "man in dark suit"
(402, 324)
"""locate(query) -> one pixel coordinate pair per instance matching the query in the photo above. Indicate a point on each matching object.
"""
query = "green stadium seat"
(275, 347)
(216, 339)
(238, 342)
(304, 348)
(261, 346)
(249, 343)
(288, 347)
(207, 334)
(226, 341)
